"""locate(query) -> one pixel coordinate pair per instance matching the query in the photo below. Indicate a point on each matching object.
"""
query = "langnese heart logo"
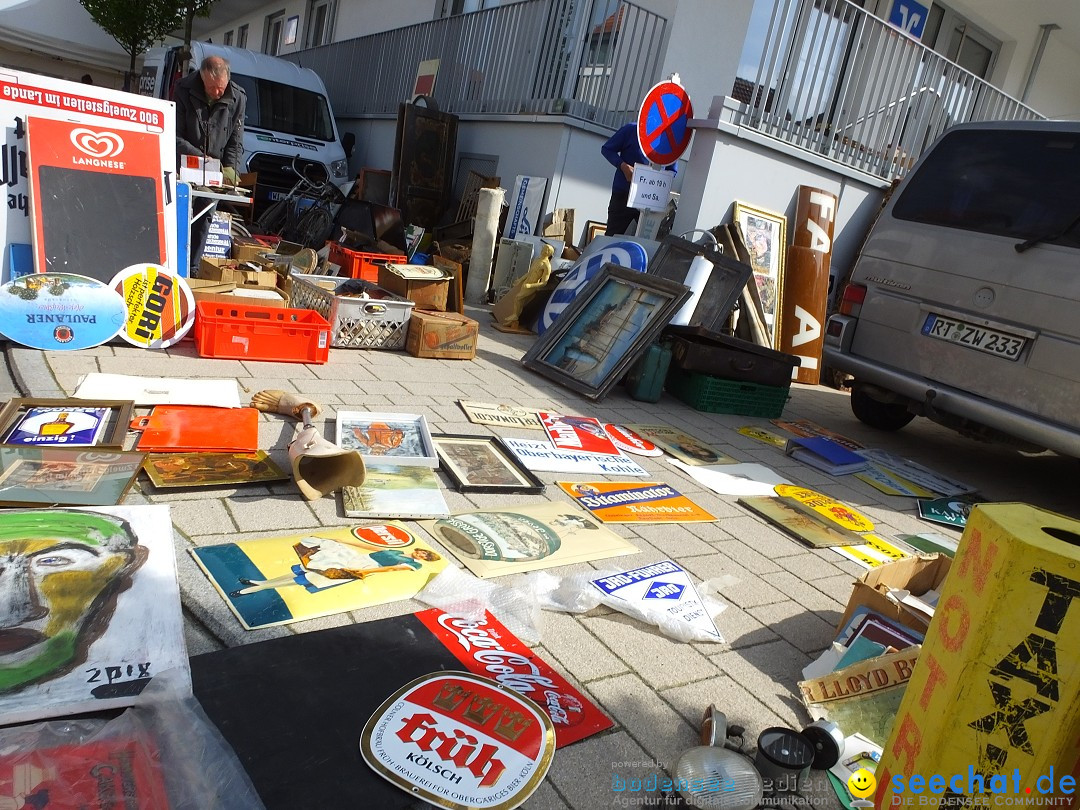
(97, 144)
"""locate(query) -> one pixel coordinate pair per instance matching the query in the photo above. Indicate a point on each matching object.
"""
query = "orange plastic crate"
(357, 264)
(276, 334)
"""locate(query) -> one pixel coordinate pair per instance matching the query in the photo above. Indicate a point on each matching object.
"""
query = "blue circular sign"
(60, 311)
(625, 253)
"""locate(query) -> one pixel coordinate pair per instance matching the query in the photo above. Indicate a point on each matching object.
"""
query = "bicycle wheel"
(313, 227)
(273, 219)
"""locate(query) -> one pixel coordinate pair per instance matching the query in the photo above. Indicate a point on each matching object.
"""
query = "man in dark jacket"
(622, 151)
(210, 123)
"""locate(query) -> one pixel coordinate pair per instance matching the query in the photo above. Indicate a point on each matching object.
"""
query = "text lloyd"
(856, 683)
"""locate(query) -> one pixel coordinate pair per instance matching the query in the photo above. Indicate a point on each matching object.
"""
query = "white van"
(288, 114)
(964, 303)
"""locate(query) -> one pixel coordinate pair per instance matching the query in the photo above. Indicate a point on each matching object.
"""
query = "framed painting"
(402, 438)
(765, 234)
(483, 464)
(607, 326)
(65, 422)
(175, 470)
(65, 476)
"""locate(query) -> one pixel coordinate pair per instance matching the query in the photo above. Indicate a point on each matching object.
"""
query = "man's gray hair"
(215, 66)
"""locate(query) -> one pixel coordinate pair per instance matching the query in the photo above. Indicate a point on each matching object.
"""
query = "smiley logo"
(861, 783)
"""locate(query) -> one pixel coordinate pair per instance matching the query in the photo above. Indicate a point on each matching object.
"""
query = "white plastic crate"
(362, 315)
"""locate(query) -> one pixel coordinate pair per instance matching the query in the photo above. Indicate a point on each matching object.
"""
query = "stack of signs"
(460, 740)
(918, 478)
(578, 444)
(682, 445)
(822, 522)
(638, 502)
(543, 457)
(659, 594)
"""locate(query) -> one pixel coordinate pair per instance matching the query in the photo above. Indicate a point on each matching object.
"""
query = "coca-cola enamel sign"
(460, 741)
(485, 647)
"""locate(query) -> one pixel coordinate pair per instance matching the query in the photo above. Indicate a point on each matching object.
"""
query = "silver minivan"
(964, 303)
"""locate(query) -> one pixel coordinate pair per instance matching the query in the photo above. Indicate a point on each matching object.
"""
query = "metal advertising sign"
(487, 648)
(662, 123)
(629, 442)
(806, 282)
(460, 741)
(53, 311)
(160, 306)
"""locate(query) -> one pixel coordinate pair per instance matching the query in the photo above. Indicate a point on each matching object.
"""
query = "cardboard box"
(228, 293)
(242, 275)
(997, 688)
(250, 249)
(200, 171)
(917, 574)
(445, 335)
(426, 286)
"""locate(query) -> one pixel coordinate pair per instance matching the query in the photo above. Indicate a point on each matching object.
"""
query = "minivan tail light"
(852, 300)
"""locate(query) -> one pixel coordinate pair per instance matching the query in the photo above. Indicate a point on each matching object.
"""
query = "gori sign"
(461, 741)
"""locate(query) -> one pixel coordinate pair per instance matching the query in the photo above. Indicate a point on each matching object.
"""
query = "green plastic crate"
(716, 395)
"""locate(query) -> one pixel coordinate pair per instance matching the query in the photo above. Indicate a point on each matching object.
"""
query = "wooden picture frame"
(765, 233)
(113, 436)
(483, 464)
(593, 229)
(607, 326)
(399, 438)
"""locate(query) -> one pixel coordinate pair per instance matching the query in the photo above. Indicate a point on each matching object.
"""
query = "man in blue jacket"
(210, 111)
(622, 151)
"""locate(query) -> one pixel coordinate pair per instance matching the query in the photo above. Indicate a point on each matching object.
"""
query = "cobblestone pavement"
(784, 599)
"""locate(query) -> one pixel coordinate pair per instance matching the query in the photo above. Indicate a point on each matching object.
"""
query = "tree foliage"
(137, 24)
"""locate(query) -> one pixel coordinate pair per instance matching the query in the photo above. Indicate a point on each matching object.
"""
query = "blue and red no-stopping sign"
(662, 123)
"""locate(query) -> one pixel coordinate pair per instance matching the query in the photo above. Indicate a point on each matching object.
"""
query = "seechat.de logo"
(97, 144)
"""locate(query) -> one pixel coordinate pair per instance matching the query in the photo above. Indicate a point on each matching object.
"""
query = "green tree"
(136, 24)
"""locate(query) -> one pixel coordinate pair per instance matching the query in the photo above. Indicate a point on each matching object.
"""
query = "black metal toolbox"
(705, 352)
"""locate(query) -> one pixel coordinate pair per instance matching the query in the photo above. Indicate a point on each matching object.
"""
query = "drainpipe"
(1043, 37)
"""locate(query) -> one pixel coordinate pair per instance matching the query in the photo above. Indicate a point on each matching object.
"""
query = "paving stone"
(738, 586)
(739, 704)
(762, 537)
(659, 660)
(771, 672)
(201, 517)
(809, 566)
(582, 773)
(657, 728)
(806, 630)
(751, 560)
(578, 650)
(271, 515)
(804, 593)
(738, 628)
(674, 539)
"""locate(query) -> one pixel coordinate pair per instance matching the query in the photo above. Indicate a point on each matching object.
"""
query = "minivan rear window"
(284, 108)
(1020, 184)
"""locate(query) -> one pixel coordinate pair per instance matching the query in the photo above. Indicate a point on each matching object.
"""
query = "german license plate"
(990, 341)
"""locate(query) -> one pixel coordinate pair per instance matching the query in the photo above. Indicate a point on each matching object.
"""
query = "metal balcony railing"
(590, 59)
(836, 80)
